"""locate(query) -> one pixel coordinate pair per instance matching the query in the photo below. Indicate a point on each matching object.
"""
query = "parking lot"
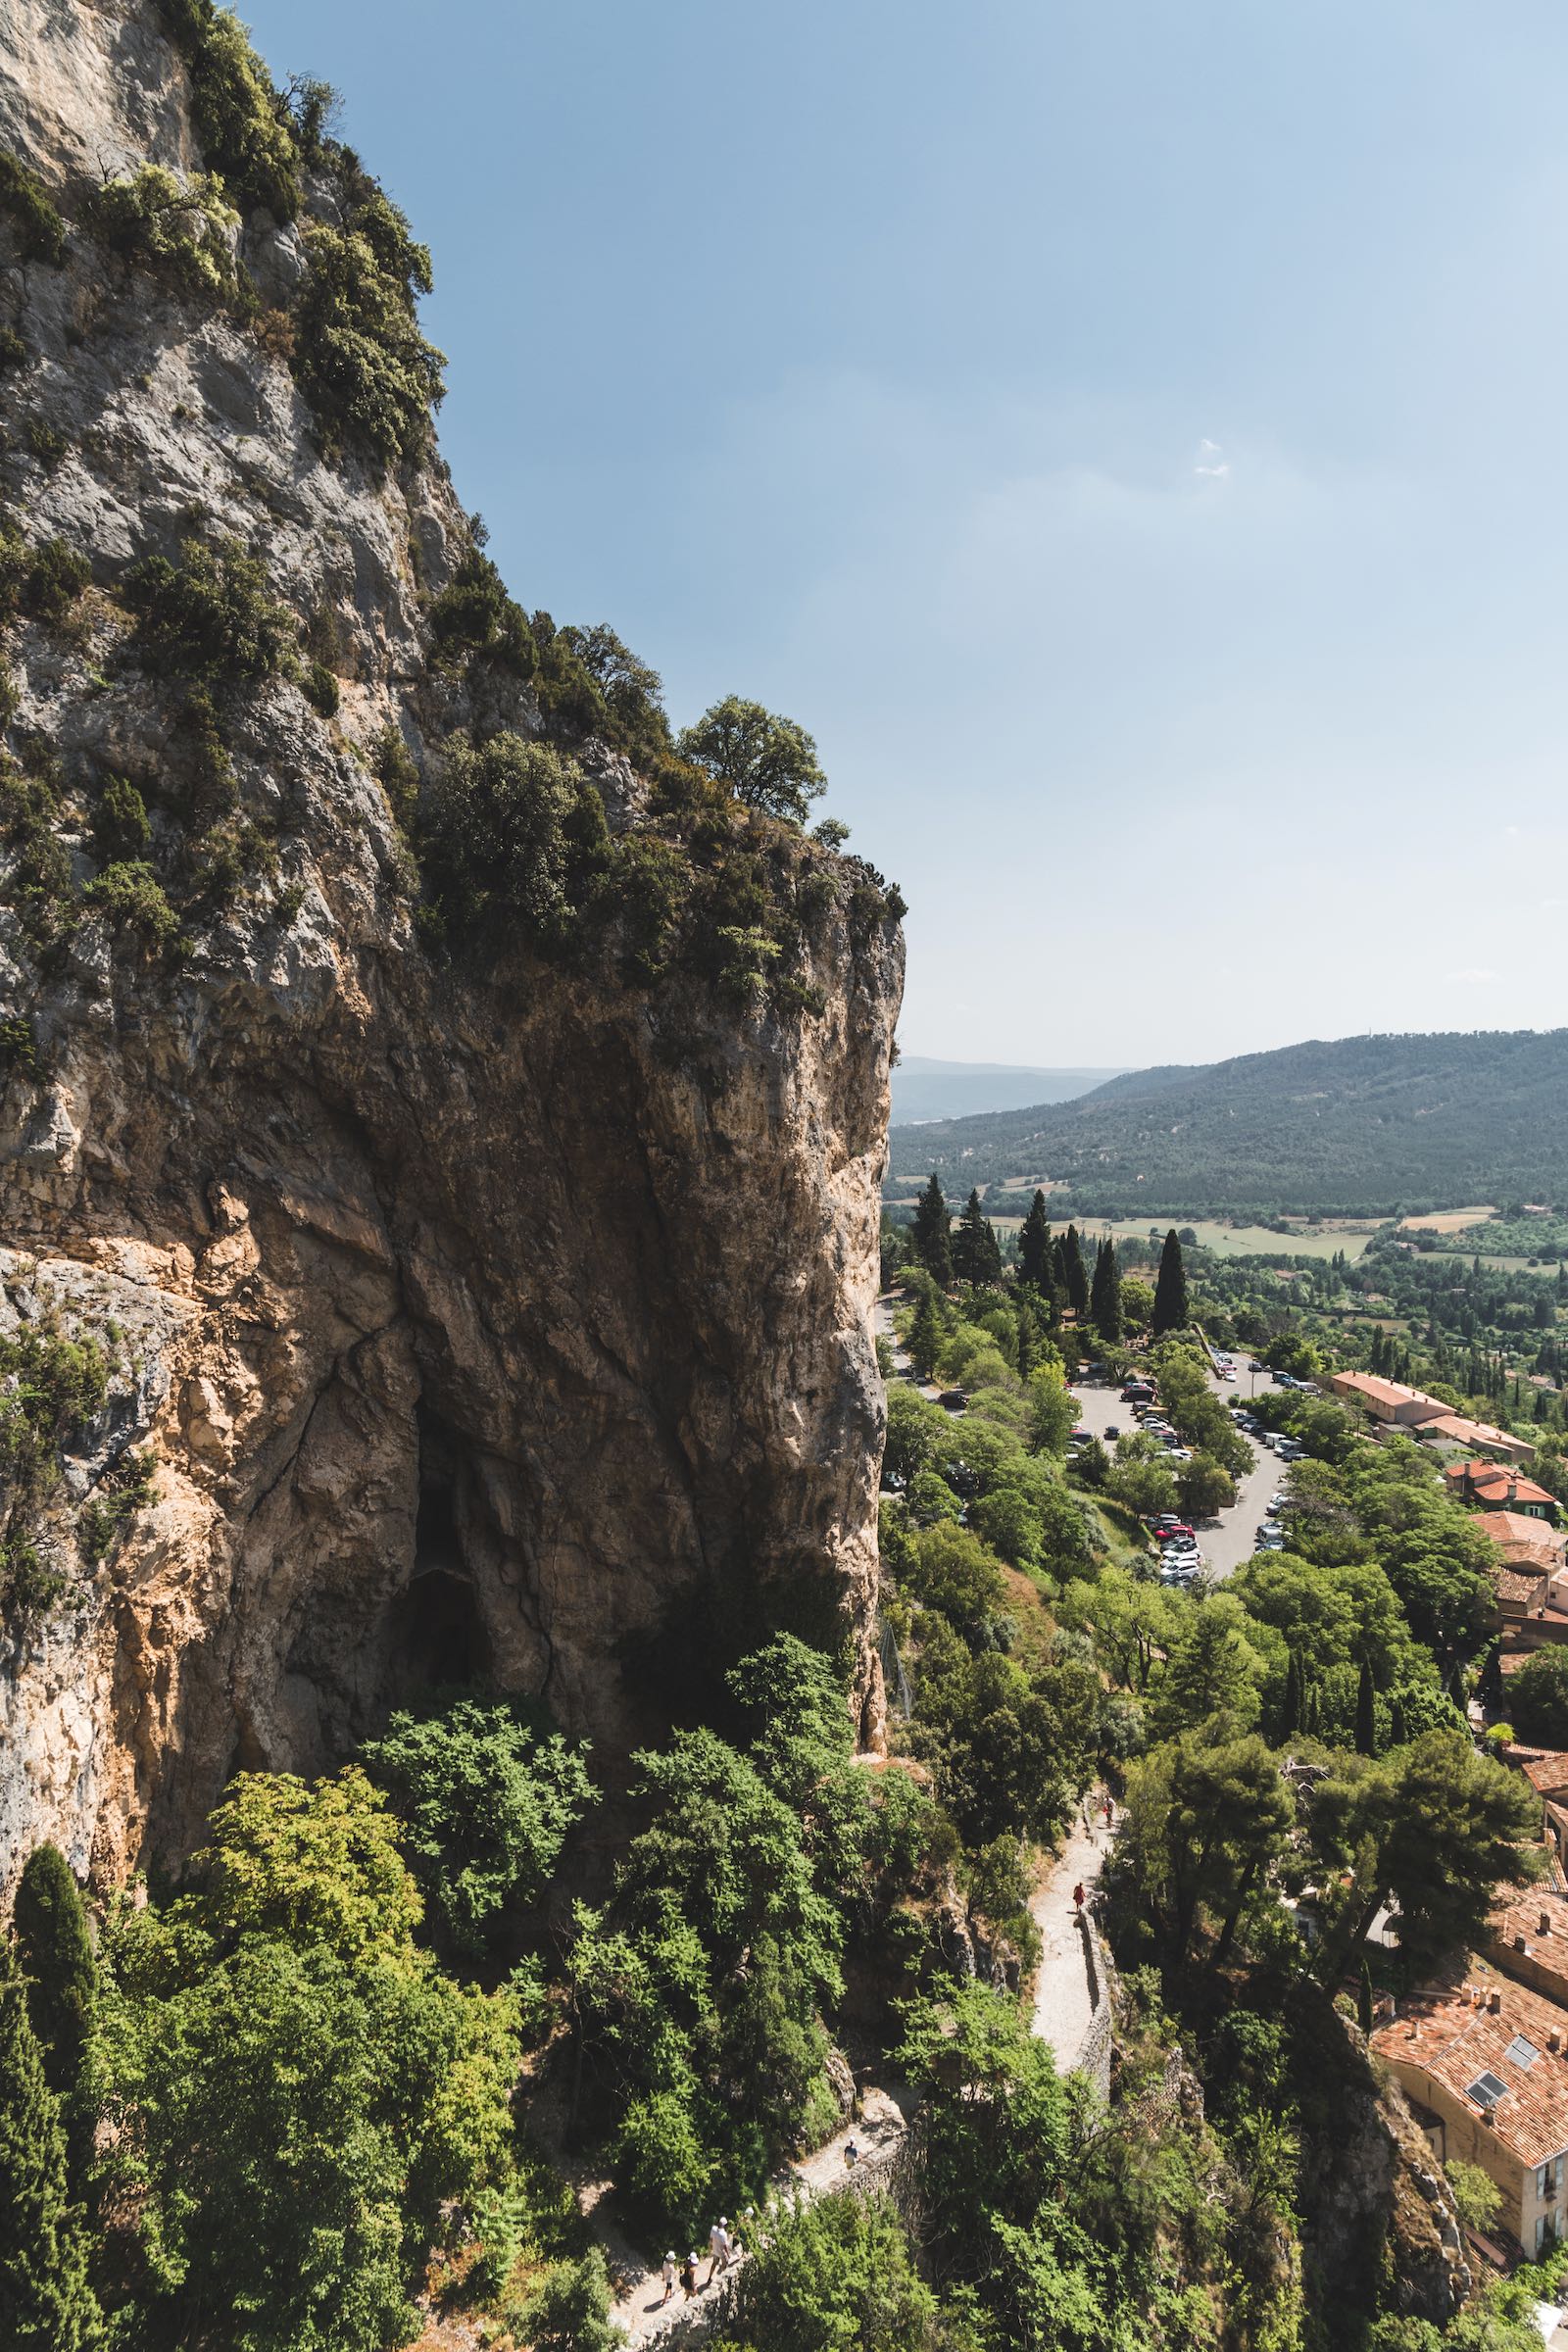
(1225, 1542)
(1228, 1541)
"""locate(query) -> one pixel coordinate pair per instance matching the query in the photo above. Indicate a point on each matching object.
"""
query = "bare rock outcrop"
(487, 1317)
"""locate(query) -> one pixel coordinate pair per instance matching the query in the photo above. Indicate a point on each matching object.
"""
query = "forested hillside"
(1359, 1125)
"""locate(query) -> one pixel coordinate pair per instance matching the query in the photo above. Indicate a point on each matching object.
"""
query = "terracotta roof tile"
(1445, 2037)
(1546, 1769)
(1513, 1528)
(1518, 1582)
(1522, 1915)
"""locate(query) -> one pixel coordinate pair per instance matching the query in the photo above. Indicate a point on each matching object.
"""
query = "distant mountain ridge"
(1369, 1125)
(924, 1088)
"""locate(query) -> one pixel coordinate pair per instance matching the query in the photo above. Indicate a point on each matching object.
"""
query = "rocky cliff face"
(492, 1314)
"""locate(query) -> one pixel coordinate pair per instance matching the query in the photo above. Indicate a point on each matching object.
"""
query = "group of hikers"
(723, 2246)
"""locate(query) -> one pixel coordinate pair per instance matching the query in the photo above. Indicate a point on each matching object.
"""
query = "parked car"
(1112, 1429)
(957, 1401)
(1080, 1436)
(1271, 1543)
(1277, 1502)
(1171, 1531)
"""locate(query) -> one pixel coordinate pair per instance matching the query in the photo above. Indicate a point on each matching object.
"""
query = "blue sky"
(1129, 436)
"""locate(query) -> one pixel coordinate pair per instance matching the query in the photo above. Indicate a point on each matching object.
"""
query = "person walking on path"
(688, 2276)
(718, 2248)
(668, 2275)
(1107, 1809)
(1078, 1896)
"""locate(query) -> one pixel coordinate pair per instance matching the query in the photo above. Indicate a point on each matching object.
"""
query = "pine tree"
(976, 1256)
(1171, 1287)
(1366, 1712)
(1074, 1279)
(46, 2304)
(933, 1240)
(1034, 1246)
(56, 1956)
(1363, 1998)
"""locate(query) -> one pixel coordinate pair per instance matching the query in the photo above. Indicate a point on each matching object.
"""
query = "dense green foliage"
(281, 2005)
(1367, 1124)
(358, 355)
(698, 1989)
(769, 763)
(184, 229)
(211, 616)
(26, 204)
(46, 2303)
(486, 1803)
(239, 117)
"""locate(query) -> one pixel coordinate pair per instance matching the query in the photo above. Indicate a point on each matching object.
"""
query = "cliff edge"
(442, 1125)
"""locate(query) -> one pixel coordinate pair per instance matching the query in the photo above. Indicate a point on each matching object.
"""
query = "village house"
(1446, 1430)
(1485, 2062)
(1389, 1400)
(1486, 1485)
(1546, 1771)
(1529, 1941)
(1428, 1418)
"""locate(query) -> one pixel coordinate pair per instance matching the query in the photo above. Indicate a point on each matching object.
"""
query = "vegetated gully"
(1227, 1541)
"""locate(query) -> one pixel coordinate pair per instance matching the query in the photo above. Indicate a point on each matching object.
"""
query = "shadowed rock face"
(501, 1323)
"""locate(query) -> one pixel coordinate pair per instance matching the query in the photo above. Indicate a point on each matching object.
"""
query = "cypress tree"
(56, 1955)
(933, 1242)
(1034, 1246)
(1026, 1342)
(1107, 1314)
(1074, 1280)
(46, 2304)
(925, 1336)
(1397, 1735)
(1096, 1283)
(1291, 1718)
(1171, 1287)
(1363, 1998)
(976, 1256)
(1366, 1712)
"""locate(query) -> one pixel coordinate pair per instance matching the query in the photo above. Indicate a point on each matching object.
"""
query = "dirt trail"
(1063, 2005)
(876, 2130)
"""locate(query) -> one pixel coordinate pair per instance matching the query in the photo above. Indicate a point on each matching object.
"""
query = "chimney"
(1543, 1924)
(1494, 2002)
(1555, 2040)
(1520, 1945)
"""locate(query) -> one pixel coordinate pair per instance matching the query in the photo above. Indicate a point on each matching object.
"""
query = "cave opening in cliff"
(439, 1640)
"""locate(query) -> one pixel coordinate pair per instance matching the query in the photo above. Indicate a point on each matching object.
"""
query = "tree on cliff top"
(766, 761)
(1170, 1289)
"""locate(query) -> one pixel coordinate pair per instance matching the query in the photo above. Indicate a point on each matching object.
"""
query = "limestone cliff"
(487, 1309)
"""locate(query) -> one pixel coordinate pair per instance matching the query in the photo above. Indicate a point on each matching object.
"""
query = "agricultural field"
(1446, 1220)
(1350, 1236)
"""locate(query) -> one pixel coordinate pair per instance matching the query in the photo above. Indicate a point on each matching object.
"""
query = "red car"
(1170, 1533)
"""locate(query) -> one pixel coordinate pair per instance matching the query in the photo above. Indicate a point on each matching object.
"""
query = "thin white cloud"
(1473, 975)
(1212, 465)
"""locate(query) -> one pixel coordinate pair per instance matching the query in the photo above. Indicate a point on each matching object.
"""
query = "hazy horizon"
(1127, 439)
